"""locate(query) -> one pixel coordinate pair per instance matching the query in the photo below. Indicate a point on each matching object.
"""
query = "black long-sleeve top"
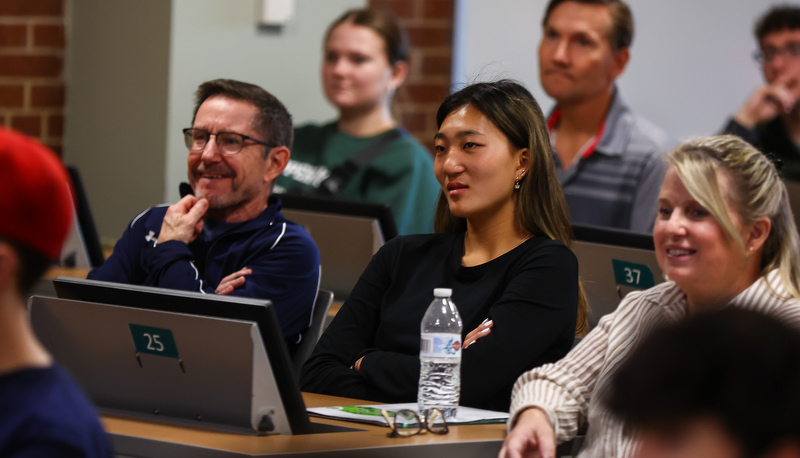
(530, 293)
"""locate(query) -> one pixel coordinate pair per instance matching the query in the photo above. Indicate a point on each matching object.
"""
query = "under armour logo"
(150, 236)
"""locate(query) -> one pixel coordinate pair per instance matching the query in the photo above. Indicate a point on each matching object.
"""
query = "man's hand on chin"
(184, 220)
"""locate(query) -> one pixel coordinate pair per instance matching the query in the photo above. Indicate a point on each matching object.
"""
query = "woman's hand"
(483, 329)
(532, 436)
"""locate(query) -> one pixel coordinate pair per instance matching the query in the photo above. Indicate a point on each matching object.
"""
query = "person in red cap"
(42, 412)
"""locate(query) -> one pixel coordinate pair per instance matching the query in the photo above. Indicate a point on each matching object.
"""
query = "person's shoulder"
(649, 137)
(312, 129)
(660, 295)
(644, 137)
(542, 242)
(295, 231)
(152, 216)
(309, 138)
(637, 310)
(544, 247)
(420, 244)
(276, 228)
(52, 408)
(422, 240)
(406, 148)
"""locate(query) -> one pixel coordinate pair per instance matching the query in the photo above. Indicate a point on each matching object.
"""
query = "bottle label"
(440, 345)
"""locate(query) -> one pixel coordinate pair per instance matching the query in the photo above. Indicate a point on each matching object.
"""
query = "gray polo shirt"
(617, 185)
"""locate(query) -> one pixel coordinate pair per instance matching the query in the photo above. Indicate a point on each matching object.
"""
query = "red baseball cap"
(35, 197)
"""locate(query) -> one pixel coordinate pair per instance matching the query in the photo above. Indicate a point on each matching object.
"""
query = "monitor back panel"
(346, 245)
(203, 373)
(609, 272)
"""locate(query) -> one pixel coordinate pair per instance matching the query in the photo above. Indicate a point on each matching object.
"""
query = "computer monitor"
(207, 360)
(346, 233)
(613, 263)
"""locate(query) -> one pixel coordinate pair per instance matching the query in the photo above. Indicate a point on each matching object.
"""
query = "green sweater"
(401, 175)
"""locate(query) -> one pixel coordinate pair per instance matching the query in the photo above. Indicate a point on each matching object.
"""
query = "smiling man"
(608, 159)
(229, 237)
(770, 118)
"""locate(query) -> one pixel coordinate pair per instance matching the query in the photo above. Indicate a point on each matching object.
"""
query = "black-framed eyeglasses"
(227, 142)
(791, 50)
(406, 422)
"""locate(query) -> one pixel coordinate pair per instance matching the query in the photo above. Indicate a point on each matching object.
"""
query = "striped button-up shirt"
(571, 391)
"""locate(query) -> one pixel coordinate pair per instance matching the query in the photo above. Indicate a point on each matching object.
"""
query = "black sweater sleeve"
(534, 319)
(748, 135)
(350, 336)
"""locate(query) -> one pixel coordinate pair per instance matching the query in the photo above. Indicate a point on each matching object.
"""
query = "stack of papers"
(372, 414)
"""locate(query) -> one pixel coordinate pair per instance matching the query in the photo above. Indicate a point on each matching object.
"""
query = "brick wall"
(32, 68)
(32, 65)
(429, 24)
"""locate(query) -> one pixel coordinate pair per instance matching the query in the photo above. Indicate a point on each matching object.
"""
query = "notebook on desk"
(346, 233)
(611, 264)
(203, 360)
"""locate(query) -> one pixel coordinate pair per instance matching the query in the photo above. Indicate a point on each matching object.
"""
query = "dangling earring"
(516, 184)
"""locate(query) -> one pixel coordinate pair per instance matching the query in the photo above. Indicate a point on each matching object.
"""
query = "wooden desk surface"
(141, 438)
(74, 272)
(133, 437)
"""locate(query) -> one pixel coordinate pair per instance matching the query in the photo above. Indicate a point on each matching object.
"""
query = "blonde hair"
(756, 191)
(540, 205)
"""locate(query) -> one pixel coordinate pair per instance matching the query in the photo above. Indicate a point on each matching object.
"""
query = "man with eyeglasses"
(608, 158)
(227, 236)
(770, 118)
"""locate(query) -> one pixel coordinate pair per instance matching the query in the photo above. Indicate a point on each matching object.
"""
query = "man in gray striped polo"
(608, 159)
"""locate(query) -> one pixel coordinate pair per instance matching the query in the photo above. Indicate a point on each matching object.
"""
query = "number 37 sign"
(632, 274)
(154, 341)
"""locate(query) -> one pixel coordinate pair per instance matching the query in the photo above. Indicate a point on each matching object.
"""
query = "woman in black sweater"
(501, 244)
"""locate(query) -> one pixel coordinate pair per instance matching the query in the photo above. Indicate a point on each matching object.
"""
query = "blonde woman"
(725, 236)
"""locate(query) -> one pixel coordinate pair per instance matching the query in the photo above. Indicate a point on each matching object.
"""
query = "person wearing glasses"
(770, 118)
(228, 236)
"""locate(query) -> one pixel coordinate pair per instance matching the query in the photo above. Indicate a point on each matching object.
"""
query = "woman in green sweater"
(365, 62)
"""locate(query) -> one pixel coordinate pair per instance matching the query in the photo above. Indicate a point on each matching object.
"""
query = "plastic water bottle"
(440, 356)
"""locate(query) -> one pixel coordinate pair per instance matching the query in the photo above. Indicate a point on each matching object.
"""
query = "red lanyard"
(553, 120)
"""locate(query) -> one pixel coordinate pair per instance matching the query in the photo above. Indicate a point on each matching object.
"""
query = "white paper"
(372, 414)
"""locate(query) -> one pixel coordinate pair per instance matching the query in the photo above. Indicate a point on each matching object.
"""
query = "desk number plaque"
(632, 274)
(154, 341)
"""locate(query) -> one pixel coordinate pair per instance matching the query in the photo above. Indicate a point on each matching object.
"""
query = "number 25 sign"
(154, 341)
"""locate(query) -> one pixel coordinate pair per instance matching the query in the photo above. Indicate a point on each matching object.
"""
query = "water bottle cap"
(442, 292)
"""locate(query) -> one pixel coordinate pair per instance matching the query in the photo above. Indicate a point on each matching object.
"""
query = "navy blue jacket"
(44, 414)
(283, 257)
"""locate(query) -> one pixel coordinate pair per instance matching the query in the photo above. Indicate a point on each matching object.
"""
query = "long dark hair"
(540, 206)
